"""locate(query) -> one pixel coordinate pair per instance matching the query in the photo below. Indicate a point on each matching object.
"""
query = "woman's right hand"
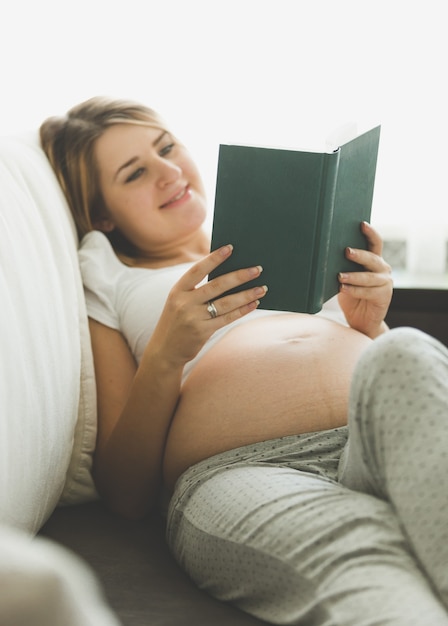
(186, 323)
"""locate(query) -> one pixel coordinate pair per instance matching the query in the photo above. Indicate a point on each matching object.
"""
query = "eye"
(166, 149)
(136, 174)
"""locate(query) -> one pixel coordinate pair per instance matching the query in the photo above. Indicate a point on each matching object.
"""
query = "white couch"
(47, 395)
(49, 511)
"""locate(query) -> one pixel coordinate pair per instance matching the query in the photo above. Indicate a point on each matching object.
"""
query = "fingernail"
(226, 250)
(255, 271)
(260, 291)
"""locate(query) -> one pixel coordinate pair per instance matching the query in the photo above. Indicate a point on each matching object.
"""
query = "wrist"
(383, 328)
(162, 359)
(375, 330)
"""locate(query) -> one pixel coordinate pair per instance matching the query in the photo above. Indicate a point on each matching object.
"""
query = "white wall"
(282, 72)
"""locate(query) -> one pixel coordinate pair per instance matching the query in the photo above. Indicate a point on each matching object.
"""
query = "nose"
(168, 172)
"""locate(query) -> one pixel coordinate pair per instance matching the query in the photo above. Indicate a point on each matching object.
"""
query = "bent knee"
(403, 347)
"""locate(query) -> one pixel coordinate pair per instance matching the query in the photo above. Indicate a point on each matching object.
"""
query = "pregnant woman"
(232, 419)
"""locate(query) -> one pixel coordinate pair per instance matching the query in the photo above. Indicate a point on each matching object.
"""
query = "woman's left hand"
(365, 296)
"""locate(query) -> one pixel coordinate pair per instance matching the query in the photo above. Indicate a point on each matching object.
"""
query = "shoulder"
(95, 246)
(97, 259)
(101, 271)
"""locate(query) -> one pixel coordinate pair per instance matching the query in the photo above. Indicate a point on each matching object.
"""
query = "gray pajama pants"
(318, 531)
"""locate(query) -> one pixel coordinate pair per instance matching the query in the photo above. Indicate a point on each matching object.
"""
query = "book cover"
(294, 213)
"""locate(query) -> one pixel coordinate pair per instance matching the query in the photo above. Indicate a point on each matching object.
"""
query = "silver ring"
(212, 310)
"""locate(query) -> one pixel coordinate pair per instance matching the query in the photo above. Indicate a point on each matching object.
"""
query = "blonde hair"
(69, 143)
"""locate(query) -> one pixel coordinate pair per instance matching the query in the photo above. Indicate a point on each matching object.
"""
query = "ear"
(105, 225)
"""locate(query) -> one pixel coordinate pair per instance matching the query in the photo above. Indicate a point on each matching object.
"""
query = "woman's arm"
(136, 404)
(135, 407)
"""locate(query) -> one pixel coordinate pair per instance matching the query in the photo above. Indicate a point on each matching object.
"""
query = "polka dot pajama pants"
(331, 528)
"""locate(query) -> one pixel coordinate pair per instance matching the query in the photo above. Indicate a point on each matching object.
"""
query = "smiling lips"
(182, 195)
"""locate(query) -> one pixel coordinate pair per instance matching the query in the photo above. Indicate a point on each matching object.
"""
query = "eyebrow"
(136, 158)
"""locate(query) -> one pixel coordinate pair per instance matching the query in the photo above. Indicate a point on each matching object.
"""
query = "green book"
(294, 213)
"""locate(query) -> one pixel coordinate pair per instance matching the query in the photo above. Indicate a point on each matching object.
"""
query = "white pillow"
(47, 390)
(42, 584)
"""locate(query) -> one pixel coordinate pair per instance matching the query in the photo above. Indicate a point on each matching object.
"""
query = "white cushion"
(42, 584)
(47, 391)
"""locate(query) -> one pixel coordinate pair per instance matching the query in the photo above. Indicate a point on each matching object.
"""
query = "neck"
(189, 251)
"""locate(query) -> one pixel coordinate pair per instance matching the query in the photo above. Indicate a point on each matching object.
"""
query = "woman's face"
(151, 188)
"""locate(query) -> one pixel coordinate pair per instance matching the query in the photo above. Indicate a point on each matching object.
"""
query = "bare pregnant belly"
(267, 378)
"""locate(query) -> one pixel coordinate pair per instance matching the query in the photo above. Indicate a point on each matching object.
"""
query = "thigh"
(294, 548)
(397, 446)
